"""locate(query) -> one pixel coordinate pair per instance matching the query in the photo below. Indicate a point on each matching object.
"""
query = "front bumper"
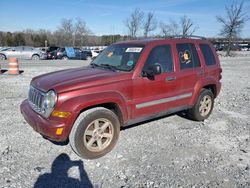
(44, 126)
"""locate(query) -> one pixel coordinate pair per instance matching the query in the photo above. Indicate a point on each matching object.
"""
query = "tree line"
(74, 32)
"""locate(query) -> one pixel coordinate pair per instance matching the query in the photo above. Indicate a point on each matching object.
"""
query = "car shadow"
(182, 114)
(59, 175)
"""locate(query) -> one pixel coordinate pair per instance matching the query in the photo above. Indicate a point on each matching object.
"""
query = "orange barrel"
(13, 66)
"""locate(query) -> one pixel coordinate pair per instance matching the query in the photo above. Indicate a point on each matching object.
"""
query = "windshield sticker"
(130, 63)
(110, 54)
(134, 49)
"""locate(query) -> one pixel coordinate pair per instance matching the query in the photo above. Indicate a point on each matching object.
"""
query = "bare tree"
(80, 32)
(169, 29)
(65, 32)
(187, 26)
(232, 23)
(72, 33)
(134, 22)
(150, 24)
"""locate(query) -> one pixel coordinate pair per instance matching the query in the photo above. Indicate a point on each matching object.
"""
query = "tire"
(203, 106)
(2, 57)
(94, 133)
(35, 57)
(65, 58)
(89, 58)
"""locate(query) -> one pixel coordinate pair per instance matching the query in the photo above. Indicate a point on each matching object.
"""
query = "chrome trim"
(164, 100)
(35, 99)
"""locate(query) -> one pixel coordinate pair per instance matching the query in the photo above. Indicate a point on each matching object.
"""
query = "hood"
(72, 79)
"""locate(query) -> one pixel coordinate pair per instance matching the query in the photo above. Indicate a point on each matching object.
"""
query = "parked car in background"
(95, 53)
(52, 48)
(22, 52)
(70, 53)
(52, 55)
(88, 54)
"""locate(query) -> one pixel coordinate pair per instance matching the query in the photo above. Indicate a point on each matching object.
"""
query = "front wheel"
(203, 106)
(35, 57)
(94, 133)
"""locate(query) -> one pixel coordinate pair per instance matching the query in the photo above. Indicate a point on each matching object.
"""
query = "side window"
(27, 49)
(19, 48)
(160, 55)
(188, 56)
(208, 54)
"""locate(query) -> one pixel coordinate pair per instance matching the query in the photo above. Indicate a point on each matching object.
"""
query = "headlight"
(49, 100)
(49, 103)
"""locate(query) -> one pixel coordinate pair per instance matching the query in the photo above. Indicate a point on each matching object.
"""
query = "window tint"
(208, 54)
(188, 56)
(27, 49)
(77, 50)
(19, 48)
(160, 55)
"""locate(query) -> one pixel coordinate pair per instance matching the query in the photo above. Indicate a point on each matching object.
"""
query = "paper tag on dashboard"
(134, 49)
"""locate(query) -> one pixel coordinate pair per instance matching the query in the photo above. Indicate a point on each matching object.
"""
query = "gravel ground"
(168, 152)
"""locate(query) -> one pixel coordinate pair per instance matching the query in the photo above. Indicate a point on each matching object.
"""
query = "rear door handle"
(171, 78)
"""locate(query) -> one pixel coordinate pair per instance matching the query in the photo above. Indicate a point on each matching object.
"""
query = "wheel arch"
(209, 84)
(110, 106)
(35, 55)
(5, 57)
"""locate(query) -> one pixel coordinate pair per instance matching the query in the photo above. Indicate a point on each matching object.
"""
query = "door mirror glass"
(152, 70)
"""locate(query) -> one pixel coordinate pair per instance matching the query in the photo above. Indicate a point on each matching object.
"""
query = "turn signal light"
(59, 131)
(60, 114)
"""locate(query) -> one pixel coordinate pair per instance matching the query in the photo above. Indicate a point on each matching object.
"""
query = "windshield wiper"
(94, 65)
(111, 67)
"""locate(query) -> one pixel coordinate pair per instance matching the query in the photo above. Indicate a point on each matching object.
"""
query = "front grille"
(36, 98)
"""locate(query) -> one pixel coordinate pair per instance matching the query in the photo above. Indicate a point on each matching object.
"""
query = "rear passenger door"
(189, 70)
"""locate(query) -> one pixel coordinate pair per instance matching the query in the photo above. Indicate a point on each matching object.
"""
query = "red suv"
(128, 82)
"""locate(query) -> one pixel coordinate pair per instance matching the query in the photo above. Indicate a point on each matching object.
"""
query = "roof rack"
(188, 36)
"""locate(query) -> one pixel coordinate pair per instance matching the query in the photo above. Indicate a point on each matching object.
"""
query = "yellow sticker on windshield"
(110, 54)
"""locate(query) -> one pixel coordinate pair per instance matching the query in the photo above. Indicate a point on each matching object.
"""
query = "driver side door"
(152, 95)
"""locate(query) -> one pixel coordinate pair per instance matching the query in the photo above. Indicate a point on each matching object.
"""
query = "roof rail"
(188, 36)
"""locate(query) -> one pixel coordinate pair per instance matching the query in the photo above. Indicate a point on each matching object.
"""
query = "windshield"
(121, 57)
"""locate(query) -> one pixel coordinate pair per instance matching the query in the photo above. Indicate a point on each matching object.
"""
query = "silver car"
(22, 52)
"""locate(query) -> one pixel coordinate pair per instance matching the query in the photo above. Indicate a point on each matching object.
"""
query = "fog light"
(59, 131)
(60, 114)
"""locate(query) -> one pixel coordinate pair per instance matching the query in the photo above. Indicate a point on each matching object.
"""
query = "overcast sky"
(107, 17)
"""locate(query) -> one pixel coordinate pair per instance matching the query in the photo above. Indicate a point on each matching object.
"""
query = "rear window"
(188, 56)
(208, 54)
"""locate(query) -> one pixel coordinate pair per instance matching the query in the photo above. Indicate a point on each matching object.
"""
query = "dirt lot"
(168, 152)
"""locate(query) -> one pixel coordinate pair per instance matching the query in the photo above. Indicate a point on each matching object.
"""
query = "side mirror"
(152, 71)
(156, 69)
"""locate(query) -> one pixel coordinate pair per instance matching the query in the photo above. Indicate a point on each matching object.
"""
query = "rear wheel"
(203, 106)
(89, 58)
(2, 57)
(65, 58)
(94, 133)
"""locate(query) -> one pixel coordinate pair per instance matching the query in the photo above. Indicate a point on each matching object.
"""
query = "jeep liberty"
(129, 82)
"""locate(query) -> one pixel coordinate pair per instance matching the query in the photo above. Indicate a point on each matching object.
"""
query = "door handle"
(201, 73)
(171, 78)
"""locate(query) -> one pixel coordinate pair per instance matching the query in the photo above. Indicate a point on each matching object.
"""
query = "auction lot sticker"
(134, 49)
